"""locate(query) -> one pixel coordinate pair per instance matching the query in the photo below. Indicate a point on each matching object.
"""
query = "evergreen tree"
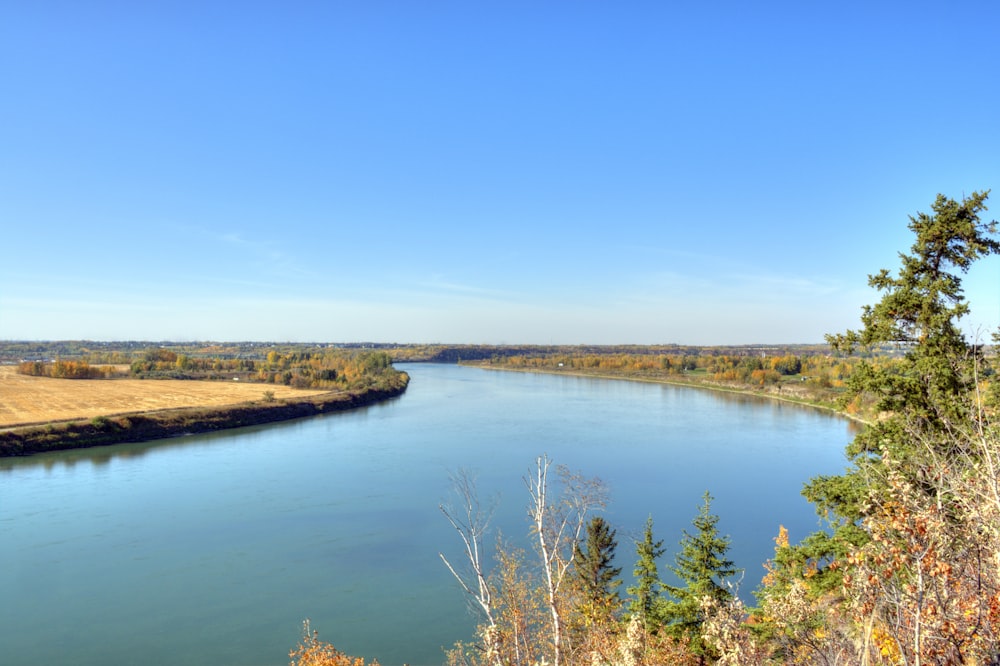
(923, 398)
(910, 531)
(702, 567)
(646, 593)
(919, 311)
(598, 579)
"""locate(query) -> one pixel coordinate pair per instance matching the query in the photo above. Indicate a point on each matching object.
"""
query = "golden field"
(32, 400)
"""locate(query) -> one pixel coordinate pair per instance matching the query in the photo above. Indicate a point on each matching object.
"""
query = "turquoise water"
(212, 549)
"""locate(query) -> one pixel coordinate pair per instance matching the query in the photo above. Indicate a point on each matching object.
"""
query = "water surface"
(212, 549)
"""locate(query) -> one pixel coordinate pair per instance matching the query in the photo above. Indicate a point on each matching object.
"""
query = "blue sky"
(482, 172)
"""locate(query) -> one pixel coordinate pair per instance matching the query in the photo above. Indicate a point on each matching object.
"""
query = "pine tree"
(923, 396)
(646, 593)
(598, 579)
(909, 541)
(702, 567)
(919, 311)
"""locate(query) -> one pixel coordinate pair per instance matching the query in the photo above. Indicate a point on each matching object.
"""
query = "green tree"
(923, 398)
(646, 592)
(920, 310)
(599, 580)
(909, 537)
(787, 365)
(703, 568)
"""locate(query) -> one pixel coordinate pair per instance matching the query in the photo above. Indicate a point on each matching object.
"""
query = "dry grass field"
(32, 400)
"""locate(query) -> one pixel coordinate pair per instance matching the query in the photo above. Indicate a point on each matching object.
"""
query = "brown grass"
(27, 400)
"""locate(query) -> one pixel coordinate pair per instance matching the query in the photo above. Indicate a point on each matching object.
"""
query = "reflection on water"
(102, 455)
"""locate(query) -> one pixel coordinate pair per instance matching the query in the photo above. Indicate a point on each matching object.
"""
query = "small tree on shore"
(599, 580)
(703, 568)
(646, 601)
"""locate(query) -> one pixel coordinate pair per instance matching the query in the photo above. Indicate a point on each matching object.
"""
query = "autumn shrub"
(65, 370)
(762, 377)
(311, 651)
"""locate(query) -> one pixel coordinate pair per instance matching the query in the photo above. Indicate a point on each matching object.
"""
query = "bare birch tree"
(471, 519)
(557, 523)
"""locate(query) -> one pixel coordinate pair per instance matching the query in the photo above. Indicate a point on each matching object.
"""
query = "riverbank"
(781, 392)
(161, 424)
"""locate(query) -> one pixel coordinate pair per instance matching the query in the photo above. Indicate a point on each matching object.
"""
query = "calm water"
(212, 549)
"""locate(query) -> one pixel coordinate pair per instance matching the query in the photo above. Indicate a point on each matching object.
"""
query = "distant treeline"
(826, 371)
(65, 370)
(459, 353)
(323, 369)
(126, 352)
(315, 369)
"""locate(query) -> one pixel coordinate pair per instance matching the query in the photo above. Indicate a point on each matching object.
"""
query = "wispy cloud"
(782, 284)
(267, 259)
(441, 284)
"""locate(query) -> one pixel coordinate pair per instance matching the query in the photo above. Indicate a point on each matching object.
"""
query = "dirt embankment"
(96, 421)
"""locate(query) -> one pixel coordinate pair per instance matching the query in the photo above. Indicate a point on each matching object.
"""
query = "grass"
(136, 426)
(28, 400)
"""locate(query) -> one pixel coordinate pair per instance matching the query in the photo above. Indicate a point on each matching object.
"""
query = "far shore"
(676, 381)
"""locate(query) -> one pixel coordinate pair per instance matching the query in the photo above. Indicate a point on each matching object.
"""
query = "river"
(212, 549)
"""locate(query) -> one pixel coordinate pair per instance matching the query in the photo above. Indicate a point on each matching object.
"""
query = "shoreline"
(707, 386)
(163, 424)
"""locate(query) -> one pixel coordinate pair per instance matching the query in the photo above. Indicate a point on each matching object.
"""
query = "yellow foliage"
(311, 651)
(887, 646)
(781, 541)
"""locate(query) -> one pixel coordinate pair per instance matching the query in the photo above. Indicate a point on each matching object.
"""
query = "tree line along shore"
(812, 373)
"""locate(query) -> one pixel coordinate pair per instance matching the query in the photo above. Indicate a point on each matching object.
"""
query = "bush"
(763, 377)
